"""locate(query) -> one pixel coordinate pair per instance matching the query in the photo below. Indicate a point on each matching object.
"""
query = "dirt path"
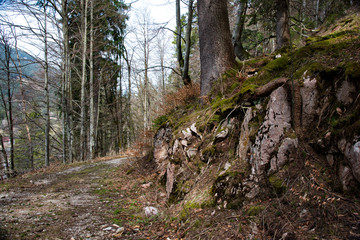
(64, 205)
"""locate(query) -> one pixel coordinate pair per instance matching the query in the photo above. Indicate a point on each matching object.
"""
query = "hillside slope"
(278, 142)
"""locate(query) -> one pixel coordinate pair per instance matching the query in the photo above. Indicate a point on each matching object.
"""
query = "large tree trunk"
(240, 52)
(216, 51)
(83, 79)
(282, 24)
(185, 74)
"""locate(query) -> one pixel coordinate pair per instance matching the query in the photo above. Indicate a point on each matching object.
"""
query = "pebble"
(119, 230)
(151, 211)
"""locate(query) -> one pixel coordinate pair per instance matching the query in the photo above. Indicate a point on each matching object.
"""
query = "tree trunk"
(8, 104)
(216, 51)
(185, 74)
(83, 79)
(282, 24)
(4, 156)
(66, 69)
(120, 106)
(23, 106)
(46, 93)
(91, 108)
(178, 37)
(240, 52)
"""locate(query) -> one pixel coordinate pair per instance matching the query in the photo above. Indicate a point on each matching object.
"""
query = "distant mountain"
(30, 66)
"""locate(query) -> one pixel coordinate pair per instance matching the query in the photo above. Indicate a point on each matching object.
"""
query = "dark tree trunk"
(179, 54)
(240, 52)
(216, 50)
(185, 75)
(282, 24)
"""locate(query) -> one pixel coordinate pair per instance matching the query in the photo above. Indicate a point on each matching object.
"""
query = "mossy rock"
(278, 64)
(255, 210)
(277, 184)
(352, 70)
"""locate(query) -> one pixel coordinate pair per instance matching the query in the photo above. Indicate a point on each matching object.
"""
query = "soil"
(56, 205)
(105, 199)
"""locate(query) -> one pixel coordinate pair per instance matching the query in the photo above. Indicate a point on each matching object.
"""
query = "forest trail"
(58, 205)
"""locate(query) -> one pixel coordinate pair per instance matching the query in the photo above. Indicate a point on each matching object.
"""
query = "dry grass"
(181, 97)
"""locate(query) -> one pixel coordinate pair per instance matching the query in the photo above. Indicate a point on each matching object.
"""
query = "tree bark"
(4, 156)
(240, 52)
(216, 50)
(178, 36)
(91, 107)
(66, 69)
(185, 74)
(83, 79)
(8, 105)
(46, 93)
(282, 24)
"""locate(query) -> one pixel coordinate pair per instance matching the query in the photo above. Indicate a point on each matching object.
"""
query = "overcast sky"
(161, 10)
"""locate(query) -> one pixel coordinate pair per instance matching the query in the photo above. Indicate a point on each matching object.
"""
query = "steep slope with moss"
(278, 141)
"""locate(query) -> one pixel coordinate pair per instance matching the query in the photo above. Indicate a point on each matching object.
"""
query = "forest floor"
(105, 199)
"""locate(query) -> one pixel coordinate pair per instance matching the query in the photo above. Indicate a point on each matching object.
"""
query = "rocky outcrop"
(268, 141)
(271, 135)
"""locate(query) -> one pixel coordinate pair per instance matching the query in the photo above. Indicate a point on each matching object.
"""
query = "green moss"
(249, 88)
(209, 151)
(255, 210)
(278, 64)
(277, 184)
(310, 69)
(234, 86)
(160, 121)
(352, 70)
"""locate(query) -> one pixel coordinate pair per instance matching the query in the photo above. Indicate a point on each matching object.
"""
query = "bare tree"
(7, 94)
(84, 15)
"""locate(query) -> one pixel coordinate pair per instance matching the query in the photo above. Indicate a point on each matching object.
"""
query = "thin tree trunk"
(66, 69)
(7, 55)
(317, 13)
(83, 80)
(185, 75)
(120, 107)
(4, 156)
(70, 120)
(178, 37)
(10, 113)
(91, 108)
(240, 52)
(23, 107)
(282, 24)
(46, 93)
